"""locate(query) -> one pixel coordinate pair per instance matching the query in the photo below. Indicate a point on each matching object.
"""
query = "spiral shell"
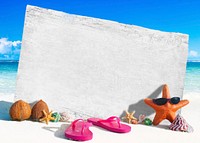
(180, 124)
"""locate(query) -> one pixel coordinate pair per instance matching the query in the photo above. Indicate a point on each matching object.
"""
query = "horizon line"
(19, 60)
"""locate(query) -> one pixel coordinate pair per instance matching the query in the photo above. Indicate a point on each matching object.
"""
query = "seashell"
(134, 121)
(64, 117)
(37, 110)
(190, 129)
(180, 124)
(56, 117)
(20, 110)
(147, 122)
(141, 118)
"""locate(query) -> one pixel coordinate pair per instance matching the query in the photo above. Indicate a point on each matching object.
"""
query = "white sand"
(28, 131)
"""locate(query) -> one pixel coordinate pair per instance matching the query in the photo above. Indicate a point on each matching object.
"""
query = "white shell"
(64, 117)
(141, 118)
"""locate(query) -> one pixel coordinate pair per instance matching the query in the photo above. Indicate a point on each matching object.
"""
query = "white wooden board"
(94, 67)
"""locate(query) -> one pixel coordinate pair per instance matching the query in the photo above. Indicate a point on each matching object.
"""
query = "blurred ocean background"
(192, 79)
(8, 73)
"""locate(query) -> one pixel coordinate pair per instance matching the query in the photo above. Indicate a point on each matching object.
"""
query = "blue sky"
(172, 15)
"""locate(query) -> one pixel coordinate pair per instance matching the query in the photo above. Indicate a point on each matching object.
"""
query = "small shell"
(56, 117)
(64, 117)
(147, 121)
(134, 122)
(141, 118)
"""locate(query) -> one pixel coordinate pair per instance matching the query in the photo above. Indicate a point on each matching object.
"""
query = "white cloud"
(16, 43)
(9, 49)
(193, 53)
(5, 45)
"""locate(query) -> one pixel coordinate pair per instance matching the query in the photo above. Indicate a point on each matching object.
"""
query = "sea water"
(8, 73)
(192, 79)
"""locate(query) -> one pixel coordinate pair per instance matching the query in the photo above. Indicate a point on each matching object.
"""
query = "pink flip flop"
(112, 124)
(79, 131)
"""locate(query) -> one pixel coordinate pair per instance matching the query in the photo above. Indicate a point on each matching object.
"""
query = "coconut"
(37, 110)
(20, 110)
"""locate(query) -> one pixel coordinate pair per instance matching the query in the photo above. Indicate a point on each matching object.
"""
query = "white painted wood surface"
(93, 67)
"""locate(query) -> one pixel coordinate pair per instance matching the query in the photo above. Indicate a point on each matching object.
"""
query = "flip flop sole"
(108, 125)
(78, 138)
(78, 131)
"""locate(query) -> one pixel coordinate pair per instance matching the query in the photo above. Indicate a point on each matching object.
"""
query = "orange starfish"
(166, 111)
(47, 117)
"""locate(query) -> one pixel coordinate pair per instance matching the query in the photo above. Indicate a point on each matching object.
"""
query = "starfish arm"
(180, 104)
(165, 91)
(46, 121)
(158, 118)
(44, 112)
(42, 119)
(171, 116)
(149, 102)
(132, 113)
(52, 118)
(133, 118)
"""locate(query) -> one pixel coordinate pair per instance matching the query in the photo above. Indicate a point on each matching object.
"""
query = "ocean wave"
(193, 61)
(9, 61)
(191, 93)
(7, 97)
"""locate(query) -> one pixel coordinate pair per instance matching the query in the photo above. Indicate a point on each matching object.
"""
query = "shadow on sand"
(4, 110)
(58, 131)
(140, 107)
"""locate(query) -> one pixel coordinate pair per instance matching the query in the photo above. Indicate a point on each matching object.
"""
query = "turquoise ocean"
(8, 73)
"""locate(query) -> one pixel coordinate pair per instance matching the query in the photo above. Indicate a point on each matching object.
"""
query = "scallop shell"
(180, 124)
(37, 110)
(20, 110)
(141, 118)
(64, 117)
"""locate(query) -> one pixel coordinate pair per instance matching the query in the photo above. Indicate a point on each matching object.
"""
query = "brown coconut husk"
(20, 111)
(37, 110)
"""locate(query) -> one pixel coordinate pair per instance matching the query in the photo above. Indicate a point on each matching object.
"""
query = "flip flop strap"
(111, 119)
(74, 125)
(84, 125)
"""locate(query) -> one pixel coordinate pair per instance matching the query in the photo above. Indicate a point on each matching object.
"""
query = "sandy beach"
(28, 131)
(98, 59)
